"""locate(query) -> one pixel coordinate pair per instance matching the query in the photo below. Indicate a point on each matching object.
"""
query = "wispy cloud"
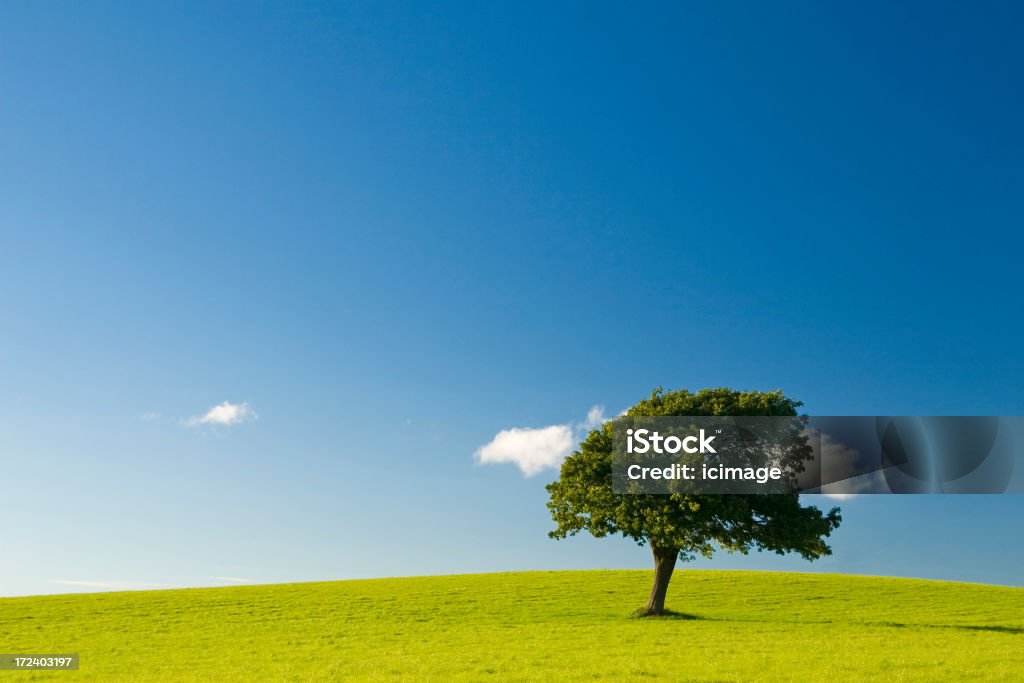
(537, 449)
(231, 579)
(595, 418)
(226, 414)
(150, 417)
(107, 585)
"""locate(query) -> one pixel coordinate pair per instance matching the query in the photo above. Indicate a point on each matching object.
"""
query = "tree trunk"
(664, 564)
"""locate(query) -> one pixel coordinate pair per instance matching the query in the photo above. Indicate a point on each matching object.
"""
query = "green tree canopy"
(683, 526)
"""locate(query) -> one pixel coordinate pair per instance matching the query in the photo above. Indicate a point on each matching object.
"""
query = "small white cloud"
(854, 487)
(535, 450)
(231, 579)
(224, 415)
(150, 417)
(531, 450)
(595, 418)
(839, 466)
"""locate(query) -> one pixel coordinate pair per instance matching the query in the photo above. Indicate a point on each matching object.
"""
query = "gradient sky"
(395, 230)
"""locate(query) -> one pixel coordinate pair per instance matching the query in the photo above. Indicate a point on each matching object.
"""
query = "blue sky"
(393, 231)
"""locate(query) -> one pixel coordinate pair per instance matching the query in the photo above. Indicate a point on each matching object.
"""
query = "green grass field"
(536, 626)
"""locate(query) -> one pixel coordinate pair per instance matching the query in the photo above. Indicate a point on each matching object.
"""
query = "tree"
(681, 526)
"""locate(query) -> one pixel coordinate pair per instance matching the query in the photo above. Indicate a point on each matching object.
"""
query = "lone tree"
(684, 525)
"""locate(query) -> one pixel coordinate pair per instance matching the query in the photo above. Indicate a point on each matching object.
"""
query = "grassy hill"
(535, 626)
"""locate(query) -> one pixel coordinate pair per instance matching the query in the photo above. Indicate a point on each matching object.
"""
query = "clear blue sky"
(395, 230)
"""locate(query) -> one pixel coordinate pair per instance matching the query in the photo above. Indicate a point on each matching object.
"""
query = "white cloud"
(535, 450)
(839, 466)
(150, 417)
(872, 482)
(224, 415)
(531, 450)
(595, 417)
(231, 579)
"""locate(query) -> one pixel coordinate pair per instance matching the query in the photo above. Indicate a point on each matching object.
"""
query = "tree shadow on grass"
(994, 628)
(1015, 630)
(667, 614)
(991, 628)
